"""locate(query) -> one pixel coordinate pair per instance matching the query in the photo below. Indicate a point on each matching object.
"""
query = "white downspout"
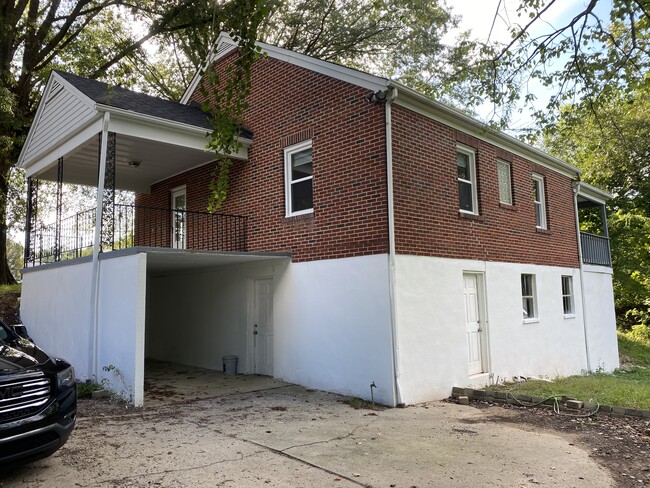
(94, 285)
(391, 248)
(576, 189)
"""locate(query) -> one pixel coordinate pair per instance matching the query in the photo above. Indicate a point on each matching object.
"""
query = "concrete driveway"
(262, 432)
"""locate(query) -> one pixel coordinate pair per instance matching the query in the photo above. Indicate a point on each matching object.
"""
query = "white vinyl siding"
(466, 170)
(540, 201)
(299, 191)
(505, 183)
(62, 114)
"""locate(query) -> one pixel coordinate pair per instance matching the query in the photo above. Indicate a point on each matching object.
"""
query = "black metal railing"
(136, 225)
(595, 249)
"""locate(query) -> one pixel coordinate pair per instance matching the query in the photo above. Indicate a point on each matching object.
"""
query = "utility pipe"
(391, 247)
(94, 285)
(576, 189)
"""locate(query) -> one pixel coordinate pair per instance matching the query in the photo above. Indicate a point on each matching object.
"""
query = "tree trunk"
(6, 278)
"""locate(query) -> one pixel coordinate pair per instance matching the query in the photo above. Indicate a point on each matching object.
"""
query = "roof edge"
(458, 119)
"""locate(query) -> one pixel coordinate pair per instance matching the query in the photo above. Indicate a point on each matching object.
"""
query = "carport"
(203, 306)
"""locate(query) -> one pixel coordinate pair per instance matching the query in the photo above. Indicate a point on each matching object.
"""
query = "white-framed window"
(505, 182)
(299, 175)
(528, 296)
(466, 168)
(540, 201)
(567, 295)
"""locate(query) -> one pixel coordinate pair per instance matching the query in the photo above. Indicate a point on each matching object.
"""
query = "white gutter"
(391, 248)
(94, 285)
(576, 190)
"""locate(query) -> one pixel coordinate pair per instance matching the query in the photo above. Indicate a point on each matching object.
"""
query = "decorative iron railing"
(136, 225)
(595, 249)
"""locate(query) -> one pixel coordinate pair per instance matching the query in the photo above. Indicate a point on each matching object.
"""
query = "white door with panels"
(474, 322)
(262, 327)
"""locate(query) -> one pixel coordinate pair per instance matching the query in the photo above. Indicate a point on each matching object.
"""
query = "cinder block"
(463, 400)
(456, 391)
(633, 412)
(574, 404)
(502, 395)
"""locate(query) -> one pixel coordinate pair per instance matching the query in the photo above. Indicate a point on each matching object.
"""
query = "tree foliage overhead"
(587, 58)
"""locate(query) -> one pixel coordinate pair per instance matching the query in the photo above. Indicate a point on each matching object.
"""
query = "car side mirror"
(21, 331)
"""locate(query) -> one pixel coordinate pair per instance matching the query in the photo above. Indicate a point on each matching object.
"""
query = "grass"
(85, 389)
(10, 288)
(628, 386)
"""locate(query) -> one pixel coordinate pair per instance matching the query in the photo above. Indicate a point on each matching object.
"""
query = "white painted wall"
(55, 307)
(121, 312)
(332, 326)
(431, 325)
(600, 318)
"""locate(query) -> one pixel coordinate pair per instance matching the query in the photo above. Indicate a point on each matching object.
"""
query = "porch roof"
(156, 138)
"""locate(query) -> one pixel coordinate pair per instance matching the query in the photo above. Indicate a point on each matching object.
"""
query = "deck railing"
(135, 225)
(595, 249)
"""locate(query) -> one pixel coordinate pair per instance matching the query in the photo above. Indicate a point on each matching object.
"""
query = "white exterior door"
(179, 205)
(263, 326)
(474, 323)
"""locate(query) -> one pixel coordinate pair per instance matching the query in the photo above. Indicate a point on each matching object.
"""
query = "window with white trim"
(540, 201)
(299, 175)
(567, 295)
(505, 183)
(528, 296)
(466, 168)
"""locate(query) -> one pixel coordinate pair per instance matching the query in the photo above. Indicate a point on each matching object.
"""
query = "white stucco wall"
(121, 313)
(332, 321)
(600, 318)
(431, 325)
(55, 307)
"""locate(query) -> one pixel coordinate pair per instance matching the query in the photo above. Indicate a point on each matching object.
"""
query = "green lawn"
(627, 387)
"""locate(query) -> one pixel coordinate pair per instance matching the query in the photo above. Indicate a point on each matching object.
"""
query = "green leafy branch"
(225, 90)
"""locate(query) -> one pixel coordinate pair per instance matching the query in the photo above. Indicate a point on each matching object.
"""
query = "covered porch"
(592, 219)
(89, 133)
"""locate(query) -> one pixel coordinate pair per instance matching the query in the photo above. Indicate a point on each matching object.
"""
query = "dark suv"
(38, 400)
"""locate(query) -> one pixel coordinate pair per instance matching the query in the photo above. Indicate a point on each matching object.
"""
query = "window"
(299, 179)
(538, 198)
(505, 184)
(466, 166)
(567, 295)
(529, 302)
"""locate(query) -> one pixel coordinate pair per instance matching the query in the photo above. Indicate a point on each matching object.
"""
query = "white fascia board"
(419, 103)
(593, 193)
(63, 148)
(163, 130)
(348, 75)
(41, 106)
(336, 71)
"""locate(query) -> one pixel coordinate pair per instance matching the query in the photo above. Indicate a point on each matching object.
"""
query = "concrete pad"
(289, 436)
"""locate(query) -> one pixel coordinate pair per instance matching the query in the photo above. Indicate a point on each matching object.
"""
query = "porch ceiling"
(158, 161)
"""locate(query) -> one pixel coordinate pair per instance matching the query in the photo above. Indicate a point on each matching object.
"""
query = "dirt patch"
(622, 445)
(10, 307)
(104, 407)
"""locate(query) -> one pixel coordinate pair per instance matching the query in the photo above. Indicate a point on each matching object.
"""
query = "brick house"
(370, 235)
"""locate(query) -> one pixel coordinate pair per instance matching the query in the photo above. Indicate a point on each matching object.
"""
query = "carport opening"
(202, 308)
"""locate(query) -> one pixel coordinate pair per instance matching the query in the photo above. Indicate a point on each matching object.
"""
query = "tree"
(91, 37)
(612, 147)
(586, 59)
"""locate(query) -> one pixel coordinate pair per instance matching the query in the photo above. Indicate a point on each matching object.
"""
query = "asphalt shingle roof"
(118, 97)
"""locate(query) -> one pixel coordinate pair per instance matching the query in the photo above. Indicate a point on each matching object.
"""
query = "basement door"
(474, 322)
(262, 330)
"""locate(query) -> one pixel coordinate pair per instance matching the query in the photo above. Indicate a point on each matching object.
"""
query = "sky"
(479, 17)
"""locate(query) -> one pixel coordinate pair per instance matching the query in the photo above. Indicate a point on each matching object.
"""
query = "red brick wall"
(290, 104)
(427, 217)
